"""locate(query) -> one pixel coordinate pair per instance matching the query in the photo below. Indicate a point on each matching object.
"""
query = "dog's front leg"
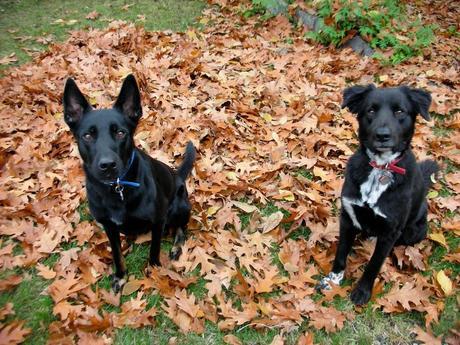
(157, 231)
(346, 238)
(120, 268)
(179, 240)
(362, 292)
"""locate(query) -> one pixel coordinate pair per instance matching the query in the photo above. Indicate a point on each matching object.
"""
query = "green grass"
(306, 173)
(435, 261)
(165, 329)
(30, 305)
(300, 232)
(449, 318)
(198, 288)
(371, 327)
(22, 22)
(83, 211)
(367, 327)
(137, 259)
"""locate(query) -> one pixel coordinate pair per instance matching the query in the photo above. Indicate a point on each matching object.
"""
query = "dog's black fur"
(386, 119)
(105, 142)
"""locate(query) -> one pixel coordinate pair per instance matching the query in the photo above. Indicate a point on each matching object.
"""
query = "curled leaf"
(445, 283)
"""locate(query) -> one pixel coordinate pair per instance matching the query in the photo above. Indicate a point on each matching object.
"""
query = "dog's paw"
(360, 295)
(117, 283)
(148, 270)
(155, 262)
(175, 253)
(325, 283)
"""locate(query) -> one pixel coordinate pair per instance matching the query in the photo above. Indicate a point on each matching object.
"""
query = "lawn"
(262, 105)
(28, 26)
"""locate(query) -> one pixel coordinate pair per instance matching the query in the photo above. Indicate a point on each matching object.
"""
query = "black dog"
(384, 193)
(128, 191)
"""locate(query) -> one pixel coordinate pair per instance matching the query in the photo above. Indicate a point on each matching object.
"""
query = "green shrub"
(267, 8)
(382, 23)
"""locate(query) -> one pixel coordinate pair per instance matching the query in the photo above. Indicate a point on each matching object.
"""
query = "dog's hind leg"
(179, 240)
(157, 232)
(416, 231)
(120, 267)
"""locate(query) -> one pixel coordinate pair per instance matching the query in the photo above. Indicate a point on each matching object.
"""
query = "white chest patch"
(372, 189)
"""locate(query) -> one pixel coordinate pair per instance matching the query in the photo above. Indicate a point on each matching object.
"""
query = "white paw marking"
(118, 283)
(335, 278)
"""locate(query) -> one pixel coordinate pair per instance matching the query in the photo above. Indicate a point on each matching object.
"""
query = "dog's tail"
(187, 164)
(428, 167)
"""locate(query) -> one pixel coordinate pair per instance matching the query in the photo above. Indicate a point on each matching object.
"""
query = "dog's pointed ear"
(420, 99)
(354, 95)
(129, 99)
(75, 104)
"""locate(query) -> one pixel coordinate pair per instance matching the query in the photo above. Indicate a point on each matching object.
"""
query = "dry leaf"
(93, 15)
(13, 333)
(427, 338)
(445, 283)
(305, 339)
(131, 287)
(232, 340)
(272, 221)
(277, 340)
(438, 237)
(245, 207)
(9, 59)
(10, 282)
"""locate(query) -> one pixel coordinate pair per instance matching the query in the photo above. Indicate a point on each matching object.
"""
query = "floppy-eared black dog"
(384, 193)
(128, 191)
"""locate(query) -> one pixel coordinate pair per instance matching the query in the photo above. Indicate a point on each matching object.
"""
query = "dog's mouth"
(108, 176)
(383, 146)
(384, 149)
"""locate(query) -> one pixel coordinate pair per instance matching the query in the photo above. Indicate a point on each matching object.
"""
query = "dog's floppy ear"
(129, 99)
(75, 104)
(354, 95)
(420, 99)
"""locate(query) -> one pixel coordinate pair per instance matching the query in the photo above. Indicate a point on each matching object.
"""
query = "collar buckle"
(119, 189)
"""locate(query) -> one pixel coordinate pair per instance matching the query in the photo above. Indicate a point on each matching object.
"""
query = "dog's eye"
(87, 137)
(398, 112)
(371, 111)
(120, 134)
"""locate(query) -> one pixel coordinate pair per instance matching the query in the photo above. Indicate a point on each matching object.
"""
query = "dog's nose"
(107, 164)
(383, 134)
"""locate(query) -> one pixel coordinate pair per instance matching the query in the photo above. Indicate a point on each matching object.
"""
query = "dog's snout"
(106, 164)
(383, 134)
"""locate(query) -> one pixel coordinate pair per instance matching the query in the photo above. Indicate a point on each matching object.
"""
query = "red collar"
(390, 166)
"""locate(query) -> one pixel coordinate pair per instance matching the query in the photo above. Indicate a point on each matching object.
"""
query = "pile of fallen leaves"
(264, 113)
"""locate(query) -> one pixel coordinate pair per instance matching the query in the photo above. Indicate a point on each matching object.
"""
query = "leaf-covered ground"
(29, 26)
(262, 105)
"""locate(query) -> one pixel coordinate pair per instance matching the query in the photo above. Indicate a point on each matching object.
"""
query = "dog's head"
(104, 137)
(386, 115)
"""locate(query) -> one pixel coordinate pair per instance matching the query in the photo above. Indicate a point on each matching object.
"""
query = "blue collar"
(120, 182)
